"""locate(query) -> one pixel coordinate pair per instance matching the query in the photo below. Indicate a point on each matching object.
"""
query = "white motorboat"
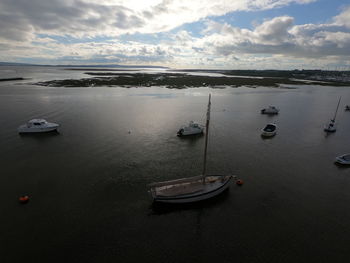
(37, 126)
(331, 127)
(192, 189)
(270, 110)
(192, 129)
(269, 130)
(343, 159)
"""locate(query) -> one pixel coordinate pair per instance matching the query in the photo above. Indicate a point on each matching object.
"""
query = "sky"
(211, 34)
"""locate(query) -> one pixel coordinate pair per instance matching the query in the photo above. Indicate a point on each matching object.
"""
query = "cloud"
(275, 30)
(279, 36)
(343, 18)
(66, 31)
(51, 52)
(21, 19)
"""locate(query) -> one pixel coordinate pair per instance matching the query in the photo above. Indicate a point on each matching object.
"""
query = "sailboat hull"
(326, 129)
(191, 191)
(330, 127)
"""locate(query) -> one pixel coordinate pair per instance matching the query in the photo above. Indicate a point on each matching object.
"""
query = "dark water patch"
(11, 79)
(164, 208)
(40, 136)
(342, 166)
(88, 185)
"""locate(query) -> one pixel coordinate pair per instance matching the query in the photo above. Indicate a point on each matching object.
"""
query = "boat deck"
(187, 187)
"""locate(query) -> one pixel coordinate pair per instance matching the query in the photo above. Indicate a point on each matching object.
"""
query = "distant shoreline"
(146, 76)
(180, 81)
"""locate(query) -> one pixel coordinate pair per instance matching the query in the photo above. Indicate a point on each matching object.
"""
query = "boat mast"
(206, 140)
(335, 114)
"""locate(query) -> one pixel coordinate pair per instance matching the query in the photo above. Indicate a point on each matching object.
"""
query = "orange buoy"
(24, 199)
(239, 182)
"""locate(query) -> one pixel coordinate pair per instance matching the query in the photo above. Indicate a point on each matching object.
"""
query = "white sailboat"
(192, 189)
(330, 127)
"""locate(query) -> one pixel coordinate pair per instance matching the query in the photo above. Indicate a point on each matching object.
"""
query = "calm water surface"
(89, 200)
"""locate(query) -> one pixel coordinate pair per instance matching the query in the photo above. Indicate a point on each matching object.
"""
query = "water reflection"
(40, 135)
(342, 166)
(95, 194)
(215, 202)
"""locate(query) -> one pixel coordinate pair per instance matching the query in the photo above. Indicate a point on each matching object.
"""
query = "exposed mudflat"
(174, 80)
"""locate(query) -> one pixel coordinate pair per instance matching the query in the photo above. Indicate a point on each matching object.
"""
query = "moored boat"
(343, 159)
(37, 126)
(191, 189)
(331, 127)
(269, 130)
(191, 129)
(270, 110)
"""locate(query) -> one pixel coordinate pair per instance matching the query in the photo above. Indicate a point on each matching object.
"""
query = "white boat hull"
(207, 191)
(268, 134)
(191, 132)
(270, 110)
(330, 128)
(48, 128)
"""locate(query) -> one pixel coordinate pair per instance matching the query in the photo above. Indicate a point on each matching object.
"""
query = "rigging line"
(206, 140)
(335, 114)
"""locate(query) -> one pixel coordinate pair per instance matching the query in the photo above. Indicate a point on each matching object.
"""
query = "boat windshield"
(346, 157)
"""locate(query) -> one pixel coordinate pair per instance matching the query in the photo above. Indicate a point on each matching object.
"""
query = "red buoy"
(24, 199)
(239, 182)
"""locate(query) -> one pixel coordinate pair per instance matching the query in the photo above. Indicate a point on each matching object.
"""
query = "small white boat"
(270, 110)
(343, 159)
(330, 127)
(191, 189)
(269, 130)
(37, 126)
(192, 129)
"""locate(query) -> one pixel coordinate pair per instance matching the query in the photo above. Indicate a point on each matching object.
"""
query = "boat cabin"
(36, 122)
